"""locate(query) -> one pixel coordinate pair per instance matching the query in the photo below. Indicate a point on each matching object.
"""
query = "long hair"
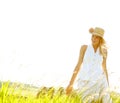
(103, 48)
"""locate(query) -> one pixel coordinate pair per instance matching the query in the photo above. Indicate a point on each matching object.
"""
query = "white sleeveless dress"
(92, 82)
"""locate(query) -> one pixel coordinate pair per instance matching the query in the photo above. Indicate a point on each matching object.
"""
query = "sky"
(40, 39)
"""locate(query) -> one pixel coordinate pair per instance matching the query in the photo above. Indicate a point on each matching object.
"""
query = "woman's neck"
(95, 47)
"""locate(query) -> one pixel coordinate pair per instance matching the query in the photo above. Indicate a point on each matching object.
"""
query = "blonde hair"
(103, 48)
(102, 45)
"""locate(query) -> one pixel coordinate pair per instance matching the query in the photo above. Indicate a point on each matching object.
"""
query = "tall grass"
(19, 94)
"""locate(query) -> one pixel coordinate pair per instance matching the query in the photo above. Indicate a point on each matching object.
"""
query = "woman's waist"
(90, 75)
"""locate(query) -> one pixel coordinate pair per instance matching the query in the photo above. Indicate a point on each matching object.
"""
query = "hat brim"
(97, 34)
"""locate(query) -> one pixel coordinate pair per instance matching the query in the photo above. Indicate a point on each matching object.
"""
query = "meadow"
(18, 93)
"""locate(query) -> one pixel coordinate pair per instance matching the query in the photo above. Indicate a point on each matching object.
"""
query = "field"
(18, 93)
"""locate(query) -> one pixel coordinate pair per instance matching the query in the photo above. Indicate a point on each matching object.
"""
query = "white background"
(40, 39)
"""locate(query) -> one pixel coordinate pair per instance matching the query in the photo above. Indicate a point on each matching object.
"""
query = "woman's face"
(95, 40)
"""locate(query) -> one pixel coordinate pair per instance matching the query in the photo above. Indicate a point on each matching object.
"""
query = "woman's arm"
(77, 68)
(105, 66)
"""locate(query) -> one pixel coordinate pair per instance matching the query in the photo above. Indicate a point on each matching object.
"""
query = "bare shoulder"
(83, 47)
(82, 52)
(105, 52)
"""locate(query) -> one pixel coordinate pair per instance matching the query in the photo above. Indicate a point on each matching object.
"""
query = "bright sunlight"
(40, 39)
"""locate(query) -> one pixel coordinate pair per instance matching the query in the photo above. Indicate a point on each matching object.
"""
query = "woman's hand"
(69, 89)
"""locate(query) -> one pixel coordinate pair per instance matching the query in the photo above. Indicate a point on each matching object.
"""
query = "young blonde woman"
(92, 70)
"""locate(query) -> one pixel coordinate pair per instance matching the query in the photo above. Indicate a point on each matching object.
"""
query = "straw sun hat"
(97, 31)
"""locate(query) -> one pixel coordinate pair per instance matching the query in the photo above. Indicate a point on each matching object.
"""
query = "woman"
(91, 66)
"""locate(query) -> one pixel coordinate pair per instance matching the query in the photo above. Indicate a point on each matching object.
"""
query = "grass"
(19, 94)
